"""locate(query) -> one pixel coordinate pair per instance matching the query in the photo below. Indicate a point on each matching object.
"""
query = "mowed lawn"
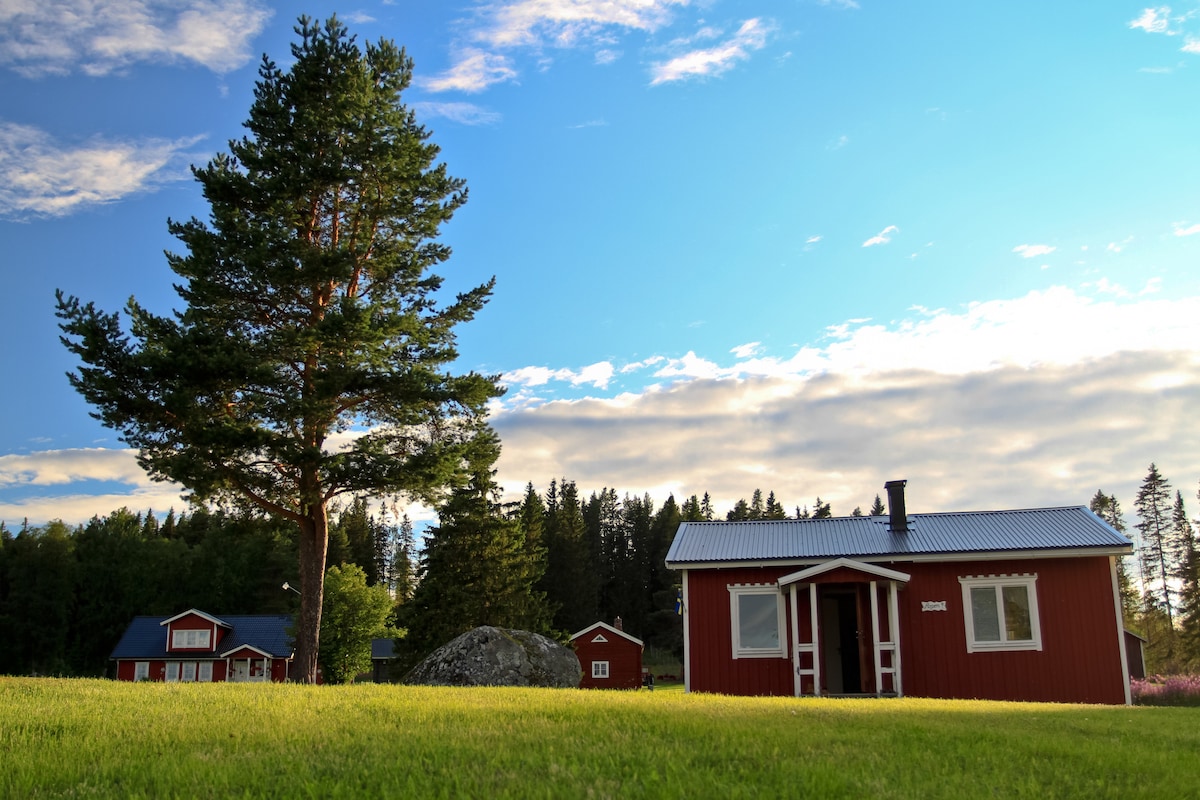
(95, 738)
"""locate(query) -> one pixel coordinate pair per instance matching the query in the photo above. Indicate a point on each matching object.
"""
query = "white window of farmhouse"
(141, 670)
(599, 669)
(189, 670)
(1001, 612)
(205, 672)
(191, 639)
(756, 617)
(172, 671)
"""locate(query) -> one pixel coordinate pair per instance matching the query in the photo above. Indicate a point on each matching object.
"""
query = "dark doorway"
(840, 642)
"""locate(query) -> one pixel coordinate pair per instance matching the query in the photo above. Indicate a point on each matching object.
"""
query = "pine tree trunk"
(314, 544)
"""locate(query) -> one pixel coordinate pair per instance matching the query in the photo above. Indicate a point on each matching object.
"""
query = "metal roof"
(145, 638)
(971, 532)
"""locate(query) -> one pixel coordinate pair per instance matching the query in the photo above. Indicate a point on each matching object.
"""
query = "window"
(191, 640)
(172, 671)
(205, 672)
(141, 670)
(756, 614)
(189, 670)
(599, 669)
(1001, 612)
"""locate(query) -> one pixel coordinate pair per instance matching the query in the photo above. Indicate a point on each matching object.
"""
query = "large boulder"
(490, 656)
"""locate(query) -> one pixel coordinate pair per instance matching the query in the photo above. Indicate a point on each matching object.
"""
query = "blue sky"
(800, 245)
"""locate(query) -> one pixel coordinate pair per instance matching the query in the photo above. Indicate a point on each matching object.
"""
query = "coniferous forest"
(554, 563)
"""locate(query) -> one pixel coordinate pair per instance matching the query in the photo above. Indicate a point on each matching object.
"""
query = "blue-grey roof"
(146, 638)
(973, 532)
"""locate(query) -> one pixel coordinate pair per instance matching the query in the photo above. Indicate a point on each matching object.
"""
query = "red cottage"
(195, 646)
(1001, 605)
(610, 658)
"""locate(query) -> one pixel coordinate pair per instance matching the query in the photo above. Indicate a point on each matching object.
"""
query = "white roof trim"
(198, 613)
(250, 647)
(609, 628)
(837, 563)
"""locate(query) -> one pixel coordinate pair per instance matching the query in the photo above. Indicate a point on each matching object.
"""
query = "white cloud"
(463, 113)
(564, 23)
(598, 375)
(883, 237)
(40, 176)
(747, 350)
(1154, 20)
(607, 56)
(1191, 45)
(473, 71)
(102, 36)
(1033, 250)
(1039, 400)
(1183, 229)
(840, 3)
(752, 35)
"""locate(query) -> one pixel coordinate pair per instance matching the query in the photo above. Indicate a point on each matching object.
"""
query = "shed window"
(599, 669)
(1001, 613)
(756, 616)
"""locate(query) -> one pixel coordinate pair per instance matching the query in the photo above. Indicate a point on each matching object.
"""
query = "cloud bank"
(99, 37)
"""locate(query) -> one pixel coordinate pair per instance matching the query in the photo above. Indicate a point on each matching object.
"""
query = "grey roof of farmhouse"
(955, 533)
(146, 638)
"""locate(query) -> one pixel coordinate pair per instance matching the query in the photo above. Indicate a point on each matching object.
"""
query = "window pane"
(1017, 623)
(985, 614)
(758, 625)
(205, 673)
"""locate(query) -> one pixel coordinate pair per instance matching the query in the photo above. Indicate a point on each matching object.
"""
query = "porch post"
(875, 644)
(894, 626)
(816, 639)
(797, 685)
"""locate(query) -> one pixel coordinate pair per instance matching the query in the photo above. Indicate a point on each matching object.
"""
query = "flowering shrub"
(1167, 690)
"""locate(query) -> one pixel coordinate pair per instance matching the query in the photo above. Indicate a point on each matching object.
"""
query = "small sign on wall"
(933, 605)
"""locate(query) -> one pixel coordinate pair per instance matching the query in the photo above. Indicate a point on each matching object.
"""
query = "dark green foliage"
(1189, 629)
(571, 582)
(477, 567)
(1153, 504)
(309, 310)
(1108, 509)
(877, 508)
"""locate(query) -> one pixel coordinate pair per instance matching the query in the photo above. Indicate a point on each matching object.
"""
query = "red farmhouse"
(1002, 605)
(195, 646)
(611, 658)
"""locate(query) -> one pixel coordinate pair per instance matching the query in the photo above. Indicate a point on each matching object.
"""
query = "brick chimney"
(897, 515)
(618, 624)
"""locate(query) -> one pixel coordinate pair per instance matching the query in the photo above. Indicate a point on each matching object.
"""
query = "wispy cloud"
(463, 113)
(883, 237)
(99, 37)
(1183, 229)
(1154, 20)
(42, 177)
(1033, 250)
(473, 71)
(752, 35)
(533, 25)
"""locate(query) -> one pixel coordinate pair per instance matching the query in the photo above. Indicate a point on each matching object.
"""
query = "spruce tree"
(1189, 628)
(877, 508)
(1108, 509)
(1153, 504)
(310, 309)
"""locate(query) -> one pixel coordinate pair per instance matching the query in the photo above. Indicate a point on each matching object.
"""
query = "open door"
(845, 644)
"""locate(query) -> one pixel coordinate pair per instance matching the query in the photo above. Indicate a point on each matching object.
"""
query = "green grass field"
(94, 738)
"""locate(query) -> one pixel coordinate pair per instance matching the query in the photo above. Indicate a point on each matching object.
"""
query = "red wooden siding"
(623, 656)
(1080, 660)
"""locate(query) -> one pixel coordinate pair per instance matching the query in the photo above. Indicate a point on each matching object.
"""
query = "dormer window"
(191, 640)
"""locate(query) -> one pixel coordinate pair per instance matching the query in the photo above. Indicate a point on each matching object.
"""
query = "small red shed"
(1001, 605)
(610, 658)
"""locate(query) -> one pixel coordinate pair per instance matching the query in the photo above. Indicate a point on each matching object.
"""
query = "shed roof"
(144, 638)
(1062, 531)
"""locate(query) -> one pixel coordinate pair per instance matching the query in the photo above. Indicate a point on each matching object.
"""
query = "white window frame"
(736, 593)
(191, 639)
(189, 671)
(997, 583)
(204, 672)
(171, 671)
(600, 670)
(141, 670)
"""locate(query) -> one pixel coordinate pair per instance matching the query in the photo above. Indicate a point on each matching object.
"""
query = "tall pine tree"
(310, 308)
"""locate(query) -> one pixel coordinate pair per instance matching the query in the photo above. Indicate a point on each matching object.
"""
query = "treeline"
(67, 594)
(1160, 583)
